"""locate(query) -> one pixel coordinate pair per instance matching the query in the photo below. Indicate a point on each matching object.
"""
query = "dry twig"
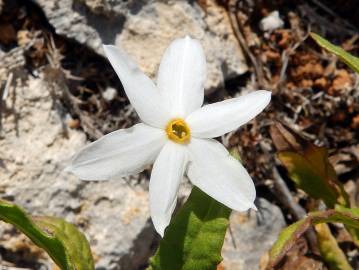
(238, 31)
(286, 198)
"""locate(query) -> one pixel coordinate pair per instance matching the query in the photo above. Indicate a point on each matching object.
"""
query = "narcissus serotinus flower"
(176, 133)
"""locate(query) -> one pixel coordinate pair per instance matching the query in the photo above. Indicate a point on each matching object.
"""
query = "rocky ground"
(58, 92)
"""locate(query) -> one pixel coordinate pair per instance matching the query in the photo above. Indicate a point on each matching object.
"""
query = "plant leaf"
(308, 166)
(353, 231)
(195, 237)
(66, 245)
(289, 235)
(347, 58)
(329, 249)
(312, 172)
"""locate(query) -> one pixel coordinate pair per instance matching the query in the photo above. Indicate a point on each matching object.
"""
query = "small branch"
(332, 13)
(4, 267)
(286, 198)
(3, 95)
(238, 29)
(286, 54)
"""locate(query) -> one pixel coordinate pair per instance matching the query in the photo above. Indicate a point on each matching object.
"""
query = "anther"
(178, 131)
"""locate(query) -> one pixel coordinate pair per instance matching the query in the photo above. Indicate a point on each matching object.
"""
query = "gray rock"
(145, 28)
(70, 23)
(34, 151)
(11, 62)
(251, 235)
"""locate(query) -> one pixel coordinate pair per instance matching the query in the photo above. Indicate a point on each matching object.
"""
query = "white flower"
(176, 133)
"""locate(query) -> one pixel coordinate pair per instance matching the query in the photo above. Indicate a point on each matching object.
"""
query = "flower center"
(178, 131)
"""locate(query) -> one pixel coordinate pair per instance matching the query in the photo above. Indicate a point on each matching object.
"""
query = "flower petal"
(141, 91)
(214, 171)
(216, 119)
(119, 153)
(181, 76)
(166, 176)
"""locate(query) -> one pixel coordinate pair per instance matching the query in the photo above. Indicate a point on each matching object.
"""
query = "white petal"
(215, 172)
(166, 176)
(141, 91)
(219, 118)
(119, 153)
(181, 76)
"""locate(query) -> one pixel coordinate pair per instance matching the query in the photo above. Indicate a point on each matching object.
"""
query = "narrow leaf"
(350, 60)
(289, 235)
(329, 249)
(66, 245)
(195, 237)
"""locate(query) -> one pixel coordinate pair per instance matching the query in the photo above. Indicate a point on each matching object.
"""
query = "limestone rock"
(145, 28)
(251, 235)
(34, 150)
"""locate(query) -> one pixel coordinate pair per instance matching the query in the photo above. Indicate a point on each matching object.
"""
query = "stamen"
(178, 131)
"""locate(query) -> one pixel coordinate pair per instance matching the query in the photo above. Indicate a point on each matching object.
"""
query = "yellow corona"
(178, 131)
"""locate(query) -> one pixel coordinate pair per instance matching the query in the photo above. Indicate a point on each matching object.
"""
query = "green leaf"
(312, 172)
(353, 231)
(292, 233)
(235, 153)
(350, 60)
(66, 245)
(329, 249)
(309, 167)
(194, 239)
